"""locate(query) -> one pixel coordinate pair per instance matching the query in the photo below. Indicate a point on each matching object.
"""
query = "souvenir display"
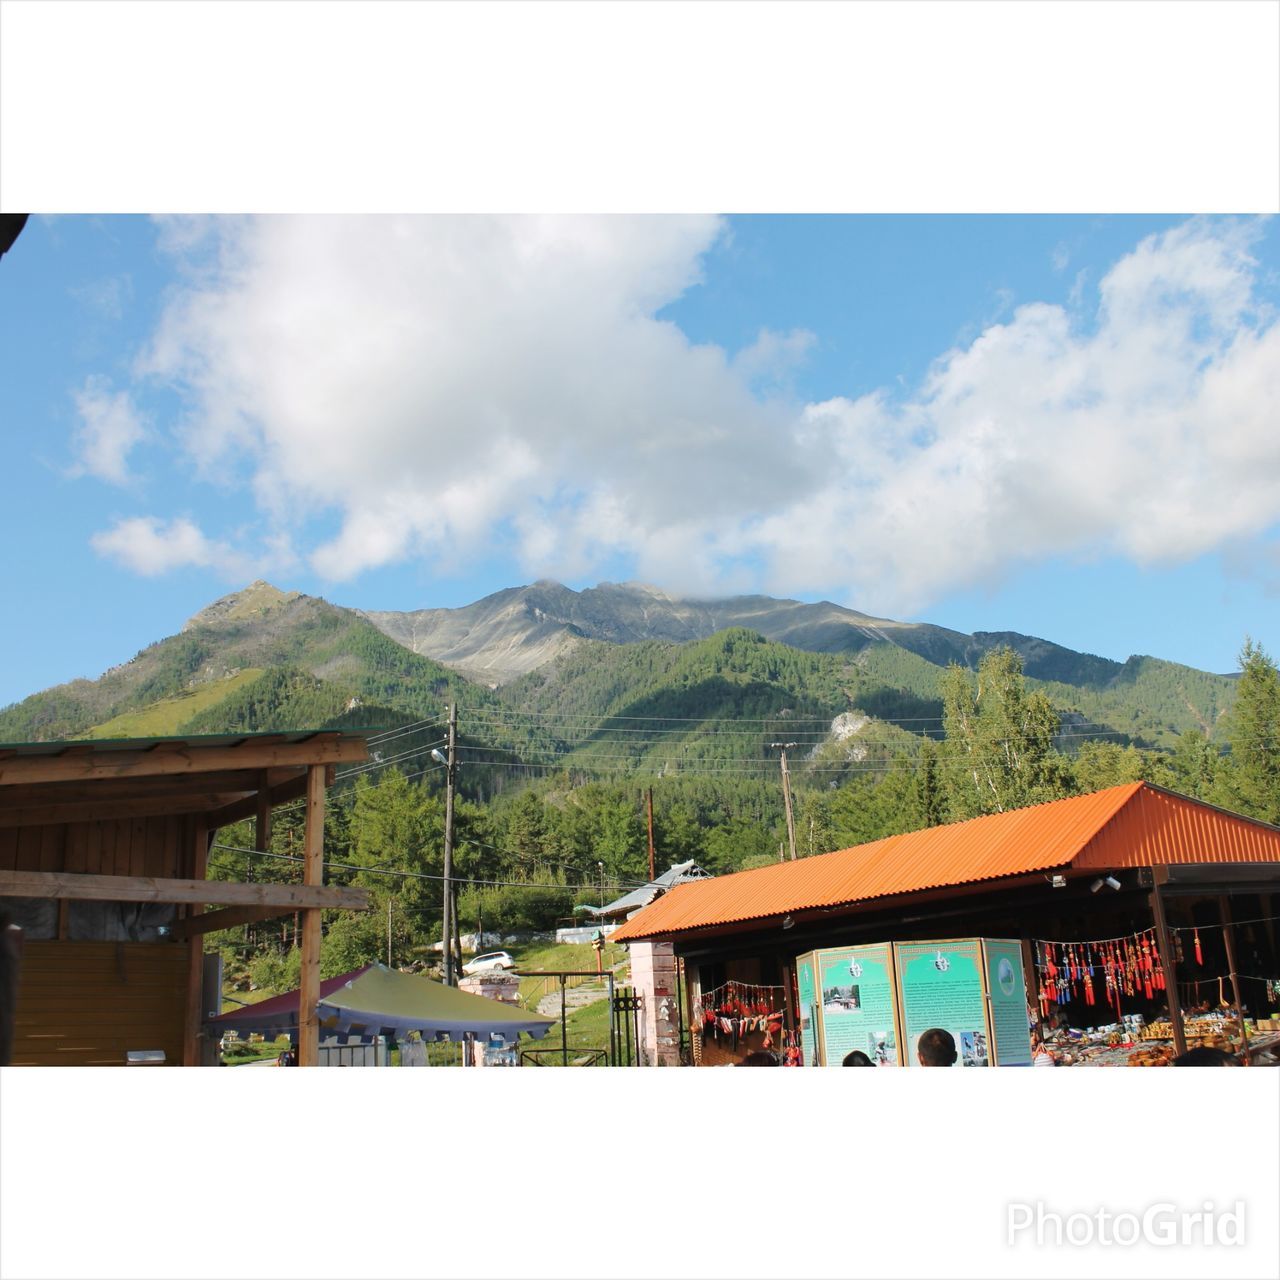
(735, 1010)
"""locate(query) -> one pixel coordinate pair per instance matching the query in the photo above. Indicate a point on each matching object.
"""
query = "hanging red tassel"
(1199, 956)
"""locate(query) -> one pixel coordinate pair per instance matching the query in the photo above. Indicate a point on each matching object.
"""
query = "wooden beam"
(225, 893)
(86, 811)
(187, 760)
(312, 878)
(224, 918)
(22, 794)
(294, 789)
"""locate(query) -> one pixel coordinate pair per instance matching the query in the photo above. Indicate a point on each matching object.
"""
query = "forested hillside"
(555, 766)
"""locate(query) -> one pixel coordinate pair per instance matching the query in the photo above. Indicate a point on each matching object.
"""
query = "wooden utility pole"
(649, 799)
(786, 797)
(388, 931)
(451, 763)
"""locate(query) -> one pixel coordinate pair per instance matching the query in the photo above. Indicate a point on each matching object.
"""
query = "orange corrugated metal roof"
(1131, 825)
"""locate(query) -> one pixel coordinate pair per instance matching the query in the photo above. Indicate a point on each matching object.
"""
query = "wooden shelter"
(104, 848)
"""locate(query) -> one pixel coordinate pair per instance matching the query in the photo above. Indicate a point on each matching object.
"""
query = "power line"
(378, 870)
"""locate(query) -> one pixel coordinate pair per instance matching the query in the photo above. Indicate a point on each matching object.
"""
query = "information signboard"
(1007, 998)
(857, 994)
(941, 984)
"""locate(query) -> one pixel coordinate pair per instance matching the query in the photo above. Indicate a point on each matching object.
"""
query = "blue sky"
(1064, 426)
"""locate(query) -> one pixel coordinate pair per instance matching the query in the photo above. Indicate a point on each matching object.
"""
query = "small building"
(635, 900)
(104, 850)
(1128, 859)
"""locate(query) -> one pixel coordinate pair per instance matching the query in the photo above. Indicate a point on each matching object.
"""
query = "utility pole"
(649, 795)
(786, 796)
(388, 931)
(450, 780)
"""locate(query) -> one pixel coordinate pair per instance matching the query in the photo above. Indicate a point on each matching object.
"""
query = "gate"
(625, 1029)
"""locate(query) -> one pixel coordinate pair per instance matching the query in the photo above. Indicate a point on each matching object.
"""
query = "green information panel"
(858, 1004)
(941, 985)
(1007, 991)
(806, 984)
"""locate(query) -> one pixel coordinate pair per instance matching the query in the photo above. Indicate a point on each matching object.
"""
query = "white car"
(490, 960)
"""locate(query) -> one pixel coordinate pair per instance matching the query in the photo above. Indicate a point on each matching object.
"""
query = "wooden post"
(1229, 937)
(1031, 979)
(194, 1019)
(262, 823)
(312, 874)
(1158, 875)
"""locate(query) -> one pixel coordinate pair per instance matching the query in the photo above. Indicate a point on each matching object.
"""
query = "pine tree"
(930, 794)
(1252, 782)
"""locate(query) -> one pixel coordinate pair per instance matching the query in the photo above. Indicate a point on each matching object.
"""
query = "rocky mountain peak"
(254, 601)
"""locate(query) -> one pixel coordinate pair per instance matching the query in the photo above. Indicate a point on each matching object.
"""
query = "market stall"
(1132, 894)
(1107, 1001)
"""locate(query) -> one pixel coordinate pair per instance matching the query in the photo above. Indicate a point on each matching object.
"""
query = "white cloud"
(109, 428)
(150, 546)
(1150, 433)
(449, 386)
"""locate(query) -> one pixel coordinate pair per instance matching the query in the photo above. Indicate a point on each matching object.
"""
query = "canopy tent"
(376, 1001)
(381, 1001)
(274, 1016)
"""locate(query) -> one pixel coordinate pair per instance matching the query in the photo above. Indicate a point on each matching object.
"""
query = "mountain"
(551, 675)
(257, 659)
(515, 631)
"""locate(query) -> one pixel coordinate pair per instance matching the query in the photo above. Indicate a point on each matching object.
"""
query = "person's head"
(856, 1058)
(936, 1048)
(1204, 1057)
(760, 1058)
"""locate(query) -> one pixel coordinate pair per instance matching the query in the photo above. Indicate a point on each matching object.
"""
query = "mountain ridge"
(545, 649)
(513, 631)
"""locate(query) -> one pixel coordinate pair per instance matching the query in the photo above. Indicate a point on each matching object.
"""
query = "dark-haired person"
(936, 1048)
(761, 1058)
(856, 1058)
(1204, 1057)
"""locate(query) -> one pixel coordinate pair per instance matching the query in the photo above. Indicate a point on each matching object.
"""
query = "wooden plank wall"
(129, 847)
(89, 1003)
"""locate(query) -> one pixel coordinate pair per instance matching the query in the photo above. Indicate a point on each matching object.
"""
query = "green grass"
(588, 1028)
(169, 714)
(255, 1051)
(554, 956)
